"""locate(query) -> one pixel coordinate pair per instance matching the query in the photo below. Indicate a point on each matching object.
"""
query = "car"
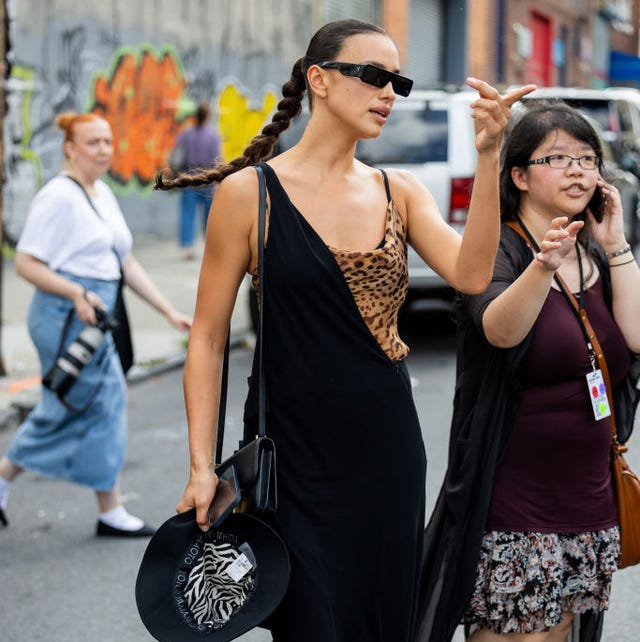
(615, 109)
(431, 134)
(628, 184)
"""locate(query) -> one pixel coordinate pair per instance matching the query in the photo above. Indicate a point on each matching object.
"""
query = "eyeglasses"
(562, 161)
(372, 75)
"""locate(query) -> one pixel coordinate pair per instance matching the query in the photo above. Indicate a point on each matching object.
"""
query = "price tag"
(239, 568)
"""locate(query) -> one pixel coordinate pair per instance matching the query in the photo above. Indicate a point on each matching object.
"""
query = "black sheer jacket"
(486, 402)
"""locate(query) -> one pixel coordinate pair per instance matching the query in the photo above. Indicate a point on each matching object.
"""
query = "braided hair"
(326, 44)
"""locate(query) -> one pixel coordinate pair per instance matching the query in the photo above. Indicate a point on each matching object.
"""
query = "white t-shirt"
(64, 231)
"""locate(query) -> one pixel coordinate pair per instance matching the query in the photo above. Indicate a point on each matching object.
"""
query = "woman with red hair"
(74, 247)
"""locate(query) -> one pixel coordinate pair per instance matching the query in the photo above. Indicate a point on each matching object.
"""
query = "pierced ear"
(316, 81)
(519, 178)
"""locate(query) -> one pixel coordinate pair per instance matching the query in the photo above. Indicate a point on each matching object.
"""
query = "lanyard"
(596, 353)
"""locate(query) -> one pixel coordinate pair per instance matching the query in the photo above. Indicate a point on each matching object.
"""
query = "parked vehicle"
(430, 133)
(616, 109)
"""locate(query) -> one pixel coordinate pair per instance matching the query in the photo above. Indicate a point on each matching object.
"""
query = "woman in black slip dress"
(351, 463)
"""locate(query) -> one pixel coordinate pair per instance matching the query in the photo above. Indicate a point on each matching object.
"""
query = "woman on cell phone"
(524, 538)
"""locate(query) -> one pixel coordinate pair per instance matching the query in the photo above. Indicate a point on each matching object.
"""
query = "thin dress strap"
(386, 185)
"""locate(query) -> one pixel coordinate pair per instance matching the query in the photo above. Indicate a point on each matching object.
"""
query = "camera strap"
(95, 209)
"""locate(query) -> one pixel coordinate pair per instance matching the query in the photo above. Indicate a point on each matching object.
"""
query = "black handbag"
(255, 462)
(122, 334)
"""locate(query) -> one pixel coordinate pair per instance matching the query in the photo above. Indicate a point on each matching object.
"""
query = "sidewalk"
(158, 346)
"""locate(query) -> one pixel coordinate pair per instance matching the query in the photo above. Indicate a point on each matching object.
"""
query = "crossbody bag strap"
(224, 384)
(587, 328)
(95, 209)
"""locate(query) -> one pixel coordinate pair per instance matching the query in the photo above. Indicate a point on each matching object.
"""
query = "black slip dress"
(351, 461)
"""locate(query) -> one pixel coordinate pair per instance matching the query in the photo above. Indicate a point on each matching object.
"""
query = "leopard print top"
(378, 281)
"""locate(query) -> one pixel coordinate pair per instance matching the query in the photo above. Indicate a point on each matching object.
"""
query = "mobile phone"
(596, 204)
(227, 496)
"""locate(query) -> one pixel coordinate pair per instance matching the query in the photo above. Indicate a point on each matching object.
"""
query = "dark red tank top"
(555, 474)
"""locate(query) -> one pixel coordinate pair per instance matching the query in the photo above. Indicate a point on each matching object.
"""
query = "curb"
(17, 411)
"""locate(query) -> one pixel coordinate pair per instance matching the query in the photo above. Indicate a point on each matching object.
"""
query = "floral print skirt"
(526, 581)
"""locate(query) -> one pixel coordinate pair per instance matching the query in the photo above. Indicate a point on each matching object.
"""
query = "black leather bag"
(122, 334)
(255, 460)
(255, 464)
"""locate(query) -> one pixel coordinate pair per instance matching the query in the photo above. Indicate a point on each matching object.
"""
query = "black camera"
(67, 367)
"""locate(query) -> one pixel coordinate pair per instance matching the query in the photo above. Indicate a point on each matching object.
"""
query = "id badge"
(598, 395)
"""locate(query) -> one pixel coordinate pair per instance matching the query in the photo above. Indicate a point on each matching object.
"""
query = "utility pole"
(3, 75)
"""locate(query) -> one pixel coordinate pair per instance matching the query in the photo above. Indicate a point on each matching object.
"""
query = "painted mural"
(145, 75)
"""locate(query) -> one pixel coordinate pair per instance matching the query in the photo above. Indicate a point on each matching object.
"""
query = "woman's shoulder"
(238, 182)
(57, 189)
(237, 194)
(402, 179)
(104, 190)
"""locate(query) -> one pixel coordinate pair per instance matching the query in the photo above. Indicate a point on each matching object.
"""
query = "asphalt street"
(60, 583)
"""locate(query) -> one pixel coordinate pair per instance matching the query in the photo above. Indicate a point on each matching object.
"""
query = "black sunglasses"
(372, 75)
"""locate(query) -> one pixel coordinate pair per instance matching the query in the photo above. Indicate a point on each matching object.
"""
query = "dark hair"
(525, 133)
(203, 111)
(326, 44)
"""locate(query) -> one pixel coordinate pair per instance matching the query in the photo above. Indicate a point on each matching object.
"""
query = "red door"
(539, 69)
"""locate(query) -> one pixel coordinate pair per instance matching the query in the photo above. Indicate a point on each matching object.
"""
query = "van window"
(409, 136)
(413, 135)
(599, 110)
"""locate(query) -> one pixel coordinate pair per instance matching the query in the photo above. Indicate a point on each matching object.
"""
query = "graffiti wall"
(143, 65)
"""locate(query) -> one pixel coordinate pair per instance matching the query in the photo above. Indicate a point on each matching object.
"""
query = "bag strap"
(587, 329)
(224, 384)
(95, 209)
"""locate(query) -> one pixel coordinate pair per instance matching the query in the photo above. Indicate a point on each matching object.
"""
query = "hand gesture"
(491, 112)
(558, 242)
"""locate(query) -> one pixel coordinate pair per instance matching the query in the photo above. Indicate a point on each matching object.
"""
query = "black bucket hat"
(214, 586)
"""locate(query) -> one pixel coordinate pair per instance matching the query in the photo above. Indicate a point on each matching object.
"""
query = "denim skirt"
(86, 444)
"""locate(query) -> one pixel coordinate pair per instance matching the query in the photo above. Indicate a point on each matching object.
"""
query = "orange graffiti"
(141, 100)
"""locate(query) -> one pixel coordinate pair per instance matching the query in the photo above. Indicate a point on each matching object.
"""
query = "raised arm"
(467, 262)
(511, 315)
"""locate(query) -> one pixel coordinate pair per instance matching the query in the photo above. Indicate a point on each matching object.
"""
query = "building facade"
(553, 42)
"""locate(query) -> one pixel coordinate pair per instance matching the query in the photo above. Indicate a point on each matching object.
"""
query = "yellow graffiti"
(24, 77)
(238, 122)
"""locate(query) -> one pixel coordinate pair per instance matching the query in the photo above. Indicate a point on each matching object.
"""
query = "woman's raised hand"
(558, 242)
(491, 112)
